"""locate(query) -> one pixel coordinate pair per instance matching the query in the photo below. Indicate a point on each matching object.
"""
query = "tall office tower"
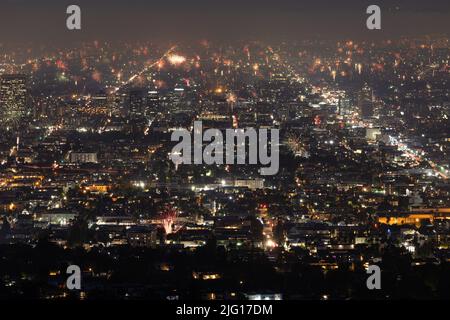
(365, 102)
(112, 103)
(13, 99)
(136, 103)
(153, 100)
(99, 100)
(344, 106)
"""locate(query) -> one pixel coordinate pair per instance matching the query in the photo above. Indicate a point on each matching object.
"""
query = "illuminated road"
(413, 154)
(146, 69)
(410, 153)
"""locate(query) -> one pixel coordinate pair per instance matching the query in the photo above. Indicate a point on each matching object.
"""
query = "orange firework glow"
(97, 76)
(61, 65)
(168, 220)
(231, 97)
(176, 59)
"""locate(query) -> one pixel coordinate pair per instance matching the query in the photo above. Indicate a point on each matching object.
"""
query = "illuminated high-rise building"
(365, 102)
(13, 98)
(136, 103)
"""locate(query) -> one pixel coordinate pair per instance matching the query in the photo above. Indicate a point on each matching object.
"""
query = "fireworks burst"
(295, 144)
(176, 59)
(231, 97)
(97, 76)
(168, 220)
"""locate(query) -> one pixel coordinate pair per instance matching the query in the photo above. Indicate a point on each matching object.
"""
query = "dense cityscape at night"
(87, 175)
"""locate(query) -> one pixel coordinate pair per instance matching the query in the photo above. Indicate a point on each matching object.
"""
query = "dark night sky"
(44, 20)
